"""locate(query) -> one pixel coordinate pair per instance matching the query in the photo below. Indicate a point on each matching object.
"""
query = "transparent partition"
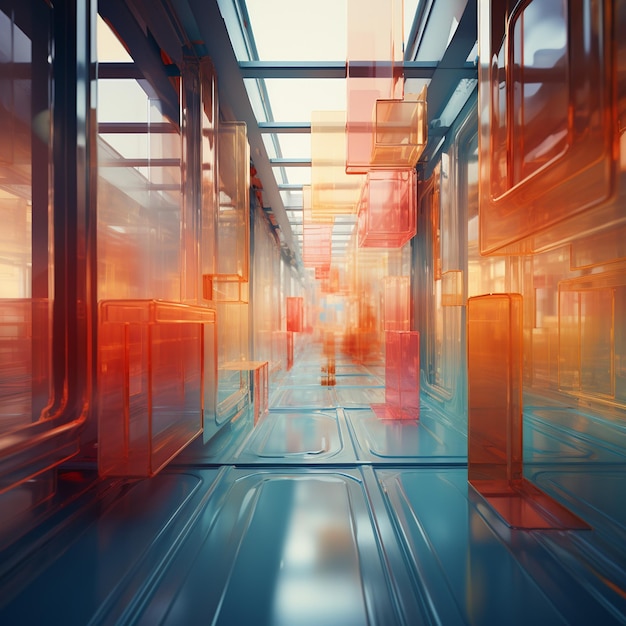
(43, 391)
(590, 339)
(402, 376)
(157, 372)
(550, 135)
(266, 274)
(140, 192)
(233, 353)
(397, 303)
(374, 53)
(400, 132)
(157, 348)
(387, 210)
(233, 217)
(495, 427)
(295, 314)
(333, 192)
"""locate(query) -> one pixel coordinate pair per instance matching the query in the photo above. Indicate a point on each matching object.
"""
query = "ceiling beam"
(292, 69)
(338, 69)
(291, 162)
(204, 16)
(285, 127)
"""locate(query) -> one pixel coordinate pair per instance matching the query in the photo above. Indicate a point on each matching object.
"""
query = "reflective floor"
(323, 514)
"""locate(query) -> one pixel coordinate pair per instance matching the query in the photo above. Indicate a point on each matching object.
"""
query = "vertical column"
(397, 302)
(495, 462)
(295, 314)
(494, 338)
(402, 387)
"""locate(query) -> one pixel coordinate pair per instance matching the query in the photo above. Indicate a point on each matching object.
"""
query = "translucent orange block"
(333, 192)
(400, 132)
(233, 217)
(374, 54)
(209, 155)
(604, 248)
(495, 462)
(295, 314)
(397, 303)
(258, 384)
(199, 210)
(156, 377)
(550, 148)
(307, 215)
(452, 288)
(219, 288)
(322, 273)
(589, 321)
(317, 245)
(282, 350)
(387, 209)
(328, 377)
(402, 370)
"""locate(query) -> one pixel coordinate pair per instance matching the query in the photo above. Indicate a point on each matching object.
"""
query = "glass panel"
(539, 70)
(26, 240)
(546, 79)
(495, 391)
(332, 190)
(309, 31)
(139, 195)
(293, 100)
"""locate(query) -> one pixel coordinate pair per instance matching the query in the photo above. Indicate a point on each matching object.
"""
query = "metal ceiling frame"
(235, 104)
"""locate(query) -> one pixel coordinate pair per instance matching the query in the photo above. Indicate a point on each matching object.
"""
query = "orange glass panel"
(258, 384)
(495, 390)
(317, 245)
(209, 198)
(387, 209)
(328, 367)
(333, 192)
(225, 289)
(374, 51)
(308, 217)
(400, 132)
(156, 377)
(316, 236)
(548, 130)
(362, 340)
(397, 303)
(140, 200)
(199, 210)
(604, 248)
(322, 273)
(589, 328)
(402, 371)
(452, 288)
(41, 407)
(233, 223)
(295, 314)
(495, 461)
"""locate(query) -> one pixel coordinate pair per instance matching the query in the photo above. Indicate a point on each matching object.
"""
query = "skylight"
(271, 36)
(285, 30)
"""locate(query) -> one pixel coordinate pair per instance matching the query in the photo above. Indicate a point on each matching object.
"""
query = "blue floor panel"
(478, 570)
(426, 440)
(322, 514)
(304, 436)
